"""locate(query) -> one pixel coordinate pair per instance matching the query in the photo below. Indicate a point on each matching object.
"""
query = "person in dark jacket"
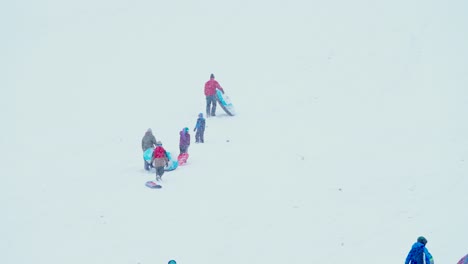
(200, 129)
(148, 141)
(419, 253)
(184, 141)
(210, 93)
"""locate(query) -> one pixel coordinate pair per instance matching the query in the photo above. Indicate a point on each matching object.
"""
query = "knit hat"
(149, 130)
(200, 115)
(212, 76)
(172, 262)
(422, 240)
(186, 129)
(158, 143)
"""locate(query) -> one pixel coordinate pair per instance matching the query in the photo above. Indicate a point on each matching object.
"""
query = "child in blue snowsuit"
(419, 253)
(200, 128)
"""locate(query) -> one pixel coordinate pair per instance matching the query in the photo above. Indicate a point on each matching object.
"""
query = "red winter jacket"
(159, 152)
(159, 157)
(210, 87)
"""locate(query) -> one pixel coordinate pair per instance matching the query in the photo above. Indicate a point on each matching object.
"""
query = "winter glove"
(194, 129)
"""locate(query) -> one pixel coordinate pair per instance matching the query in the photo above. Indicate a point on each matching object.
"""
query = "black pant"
(183, 149)
(159, 171)
(147, 165)
(199, 136)
(211, 100)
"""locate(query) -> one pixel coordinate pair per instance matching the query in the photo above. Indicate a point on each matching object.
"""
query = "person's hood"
(418, 245)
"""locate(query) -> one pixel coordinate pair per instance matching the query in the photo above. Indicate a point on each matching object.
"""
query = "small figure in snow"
(159, 160)
(210, 93)
(200, 129)
(419, 253)
(184, 141)
(148, 141)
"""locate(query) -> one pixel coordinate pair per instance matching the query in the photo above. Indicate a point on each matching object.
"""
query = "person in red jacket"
(159, 160)
(210, 93)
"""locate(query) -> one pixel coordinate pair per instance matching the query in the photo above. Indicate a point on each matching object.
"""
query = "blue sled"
(225, 103)
(172, 164)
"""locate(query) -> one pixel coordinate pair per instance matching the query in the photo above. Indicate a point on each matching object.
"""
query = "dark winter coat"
(184, 139)
(200, 126)
(419, 255)
(148, 141)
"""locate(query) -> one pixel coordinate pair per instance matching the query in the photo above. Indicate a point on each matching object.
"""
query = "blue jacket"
(419, 255)
(200, 124)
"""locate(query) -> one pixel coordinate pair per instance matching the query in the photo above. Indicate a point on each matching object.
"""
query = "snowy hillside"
(350, 139)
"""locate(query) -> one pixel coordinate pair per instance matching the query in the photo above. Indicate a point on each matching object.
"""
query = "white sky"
(363, 96)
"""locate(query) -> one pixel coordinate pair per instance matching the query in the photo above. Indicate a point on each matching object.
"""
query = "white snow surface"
(350, 139)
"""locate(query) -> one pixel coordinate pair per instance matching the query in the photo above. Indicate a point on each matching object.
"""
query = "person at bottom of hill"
(184, 141)
(200, 129)
(419, 253)
(464, 260)
(148, 141)
(159, 160)
(210, 93)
